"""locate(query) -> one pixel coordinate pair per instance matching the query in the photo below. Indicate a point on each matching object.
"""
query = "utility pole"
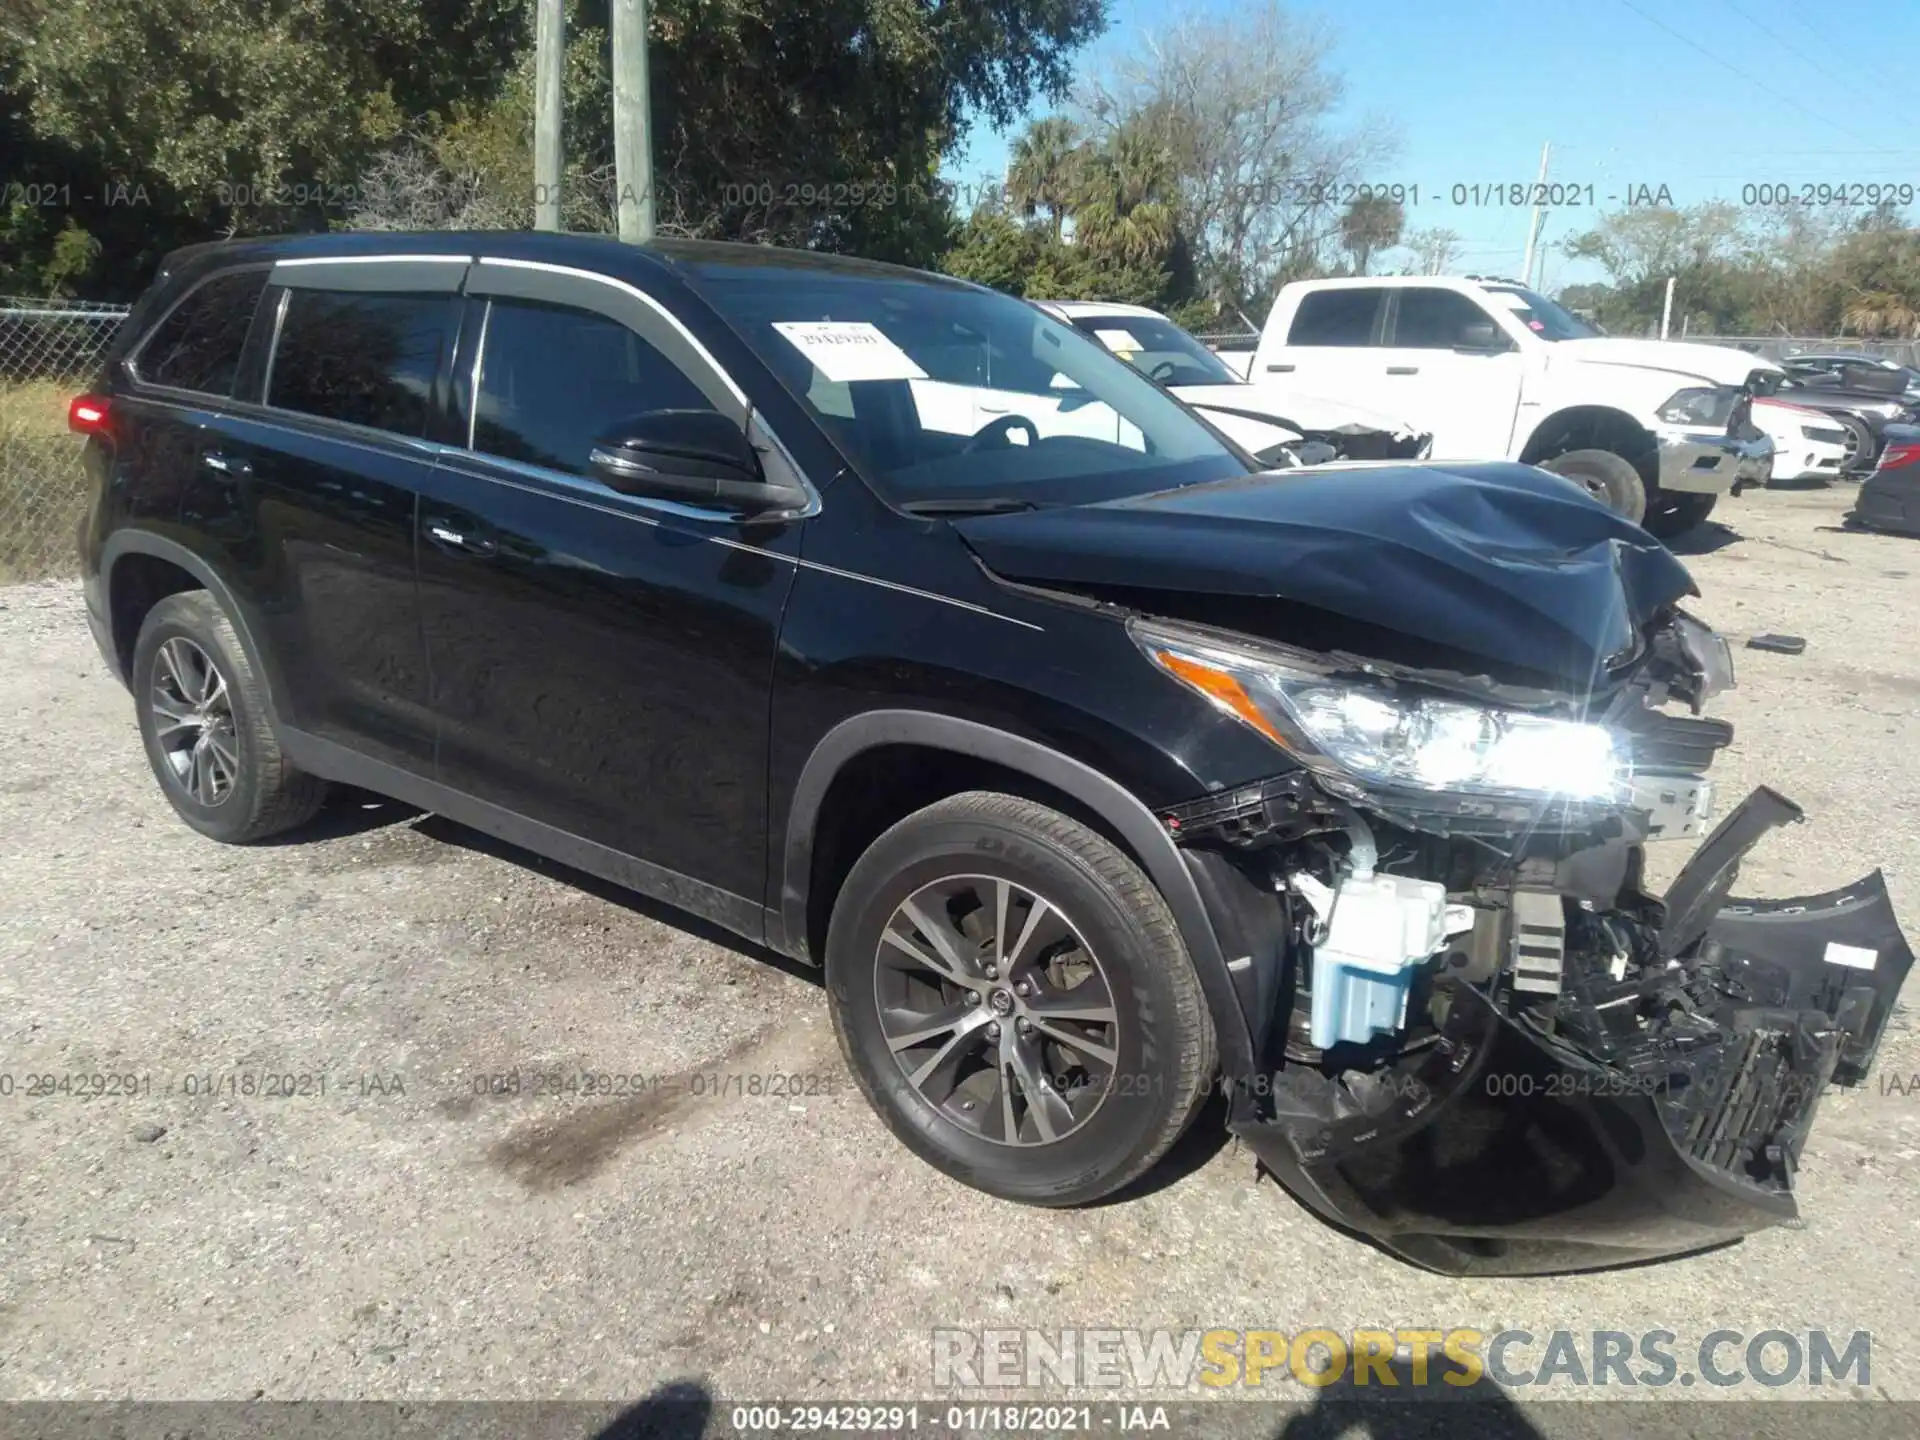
(1666, 310)
(549, 61)
(1533, 230)
(632, 122)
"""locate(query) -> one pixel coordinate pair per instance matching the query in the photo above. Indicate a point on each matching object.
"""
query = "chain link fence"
(49, 351)
(1783, 347)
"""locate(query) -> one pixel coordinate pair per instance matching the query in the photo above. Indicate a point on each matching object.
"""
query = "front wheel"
(1014, 999)
(1609, 478)
(1671, 515)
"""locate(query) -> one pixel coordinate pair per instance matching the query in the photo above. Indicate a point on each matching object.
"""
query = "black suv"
(891, 623)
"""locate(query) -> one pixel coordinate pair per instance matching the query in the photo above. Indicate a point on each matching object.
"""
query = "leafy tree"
(994, 248)
(1651, 242)
(1041, 174)
(1371, 223)
(1433, 251)
(813, 122)
(1791, 271)
(1243, 104)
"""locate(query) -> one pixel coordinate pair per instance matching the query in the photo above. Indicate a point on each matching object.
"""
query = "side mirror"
(698, 457)
(1482, 337)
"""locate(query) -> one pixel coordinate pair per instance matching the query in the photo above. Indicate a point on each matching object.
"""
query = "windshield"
(942, 394)
(1546, 318)
(1157, 348)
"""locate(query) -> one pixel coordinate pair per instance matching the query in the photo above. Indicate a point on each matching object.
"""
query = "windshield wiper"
(956, 505)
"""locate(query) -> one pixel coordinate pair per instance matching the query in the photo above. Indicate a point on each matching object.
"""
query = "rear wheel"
(203, 718)
(1013, 997)
(1669, 515)
(1609, 478)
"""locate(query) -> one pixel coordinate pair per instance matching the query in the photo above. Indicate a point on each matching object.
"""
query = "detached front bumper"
(1517, 1145)
(1694, 462)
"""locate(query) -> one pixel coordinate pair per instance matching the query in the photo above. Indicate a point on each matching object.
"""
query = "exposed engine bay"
(1482, 1019)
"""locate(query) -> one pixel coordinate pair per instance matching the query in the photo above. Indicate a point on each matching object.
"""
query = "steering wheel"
(1163, 371)
(1000, 434)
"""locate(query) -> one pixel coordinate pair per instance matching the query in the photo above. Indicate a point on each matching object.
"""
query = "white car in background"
(1309, 428)
(1807, 443)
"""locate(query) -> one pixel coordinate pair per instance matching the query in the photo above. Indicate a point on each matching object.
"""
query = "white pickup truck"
(1659, 430)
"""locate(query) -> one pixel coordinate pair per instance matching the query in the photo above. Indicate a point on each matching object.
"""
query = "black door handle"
(1280, 368)
(1403, 369)
(453, 537)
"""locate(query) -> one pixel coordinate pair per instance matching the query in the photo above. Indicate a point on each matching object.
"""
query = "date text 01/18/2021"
(908, 1419)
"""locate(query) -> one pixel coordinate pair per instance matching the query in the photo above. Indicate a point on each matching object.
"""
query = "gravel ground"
(400, 1236)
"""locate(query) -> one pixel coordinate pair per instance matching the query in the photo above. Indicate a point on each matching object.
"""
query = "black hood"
(1499, 561)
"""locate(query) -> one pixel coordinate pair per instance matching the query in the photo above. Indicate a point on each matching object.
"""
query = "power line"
(1735, 69)
(1790, 48)
(1823, 39)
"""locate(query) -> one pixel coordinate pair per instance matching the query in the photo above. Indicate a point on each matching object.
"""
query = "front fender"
(1144, 835)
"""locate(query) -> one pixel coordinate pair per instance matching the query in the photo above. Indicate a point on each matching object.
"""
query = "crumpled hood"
(1499, 560)
(1296, 411)
(1716, 364)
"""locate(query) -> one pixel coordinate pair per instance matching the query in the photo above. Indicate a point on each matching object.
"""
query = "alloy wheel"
(193, 722)
(996, 1009)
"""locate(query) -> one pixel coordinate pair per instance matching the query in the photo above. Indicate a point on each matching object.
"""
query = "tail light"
(89, 414)
(1896, 456)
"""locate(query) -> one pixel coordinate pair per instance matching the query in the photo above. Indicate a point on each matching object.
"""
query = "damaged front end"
(1487, 1045)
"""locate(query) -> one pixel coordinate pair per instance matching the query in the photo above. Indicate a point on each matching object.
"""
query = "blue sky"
(1728, 93)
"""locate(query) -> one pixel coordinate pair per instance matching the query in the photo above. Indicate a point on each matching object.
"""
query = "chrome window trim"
(651, 302)
(479, 360)
(754, 418)
(273, 345)
(375, 260)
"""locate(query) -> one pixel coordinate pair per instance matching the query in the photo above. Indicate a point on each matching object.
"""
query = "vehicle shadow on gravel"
(348, 812)
(679, 1410)
(1704, 538)
(445, 831)
(1436, 1410)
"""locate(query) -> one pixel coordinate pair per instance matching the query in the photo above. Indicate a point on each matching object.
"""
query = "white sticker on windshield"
(1508, 299)
(849, 350)
(1118, 341)
(1853, 957)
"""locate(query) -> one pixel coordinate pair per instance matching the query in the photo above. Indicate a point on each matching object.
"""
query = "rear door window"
(553, 379)
(365, 357)
(1343, 317)
(197, 347)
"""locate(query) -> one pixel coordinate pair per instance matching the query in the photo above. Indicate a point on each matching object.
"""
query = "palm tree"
(1040, 176)
(1120, 198)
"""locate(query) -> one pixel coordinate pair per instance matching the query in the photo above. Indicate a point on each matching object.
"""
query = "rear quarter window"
(197, 346)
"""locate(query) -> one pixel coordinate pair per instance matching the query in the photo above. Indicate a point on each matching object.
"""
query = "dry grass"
(42, 485)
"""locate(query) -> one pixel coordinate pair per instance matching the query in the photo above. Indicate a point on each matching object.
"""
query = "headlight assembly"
(1372, 734)
(1702, 406)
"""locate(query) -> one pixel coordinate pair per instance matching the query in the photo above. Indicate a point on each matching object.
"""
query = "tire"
(1609, 478)
(1863, 450)
(1091, 1125)
(1670, 515)
(208, 739)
